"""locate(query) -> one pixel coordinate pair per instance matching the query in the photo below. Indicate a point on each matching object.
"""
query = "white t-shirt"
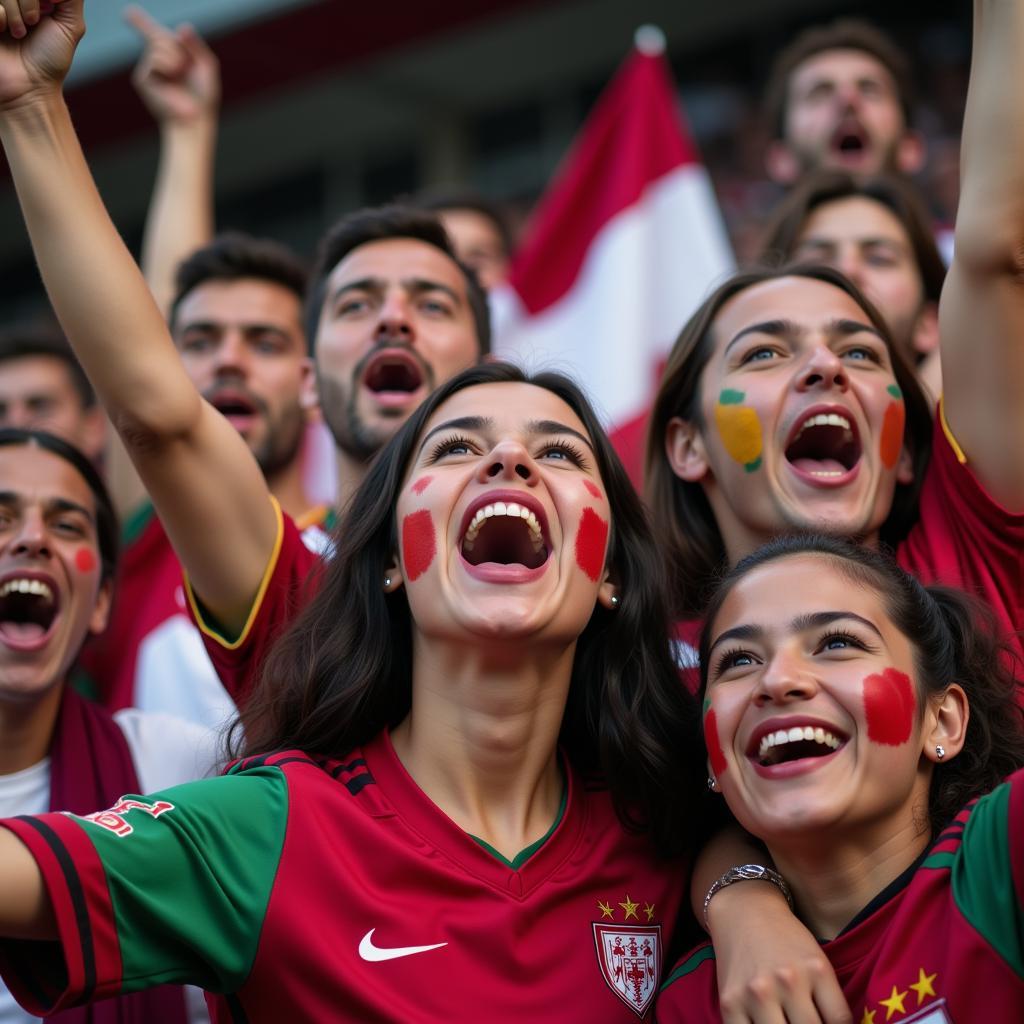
(165, 750)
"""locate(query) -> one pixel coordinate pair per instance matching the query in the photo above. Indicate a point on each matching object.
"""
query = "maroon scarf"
(90, 768)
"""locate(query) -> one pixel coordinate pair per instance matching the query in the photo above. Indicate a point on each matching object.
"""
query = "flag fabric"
(619, 252)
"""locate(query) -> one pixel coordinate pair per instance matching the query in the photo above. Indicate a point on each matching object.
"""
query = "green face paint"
(739, 428)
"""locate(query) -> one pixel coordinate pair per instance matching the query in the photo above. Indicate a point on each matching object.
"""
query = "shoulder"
(689, 992)
(168, 750)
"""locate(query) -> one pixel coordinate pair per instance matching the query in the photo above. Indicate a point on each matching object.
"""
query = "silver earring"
(615, 599)
(712, 783)
(387, 581)
(940, 751)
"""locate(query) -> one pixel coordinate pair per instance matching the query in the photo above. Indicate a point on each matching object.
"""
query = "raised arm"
(178, 79)
(981, 313)
(203, 479)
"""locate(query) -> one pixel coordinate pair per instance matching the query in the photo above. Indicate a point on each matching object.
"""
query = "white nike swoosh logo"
(368, 951)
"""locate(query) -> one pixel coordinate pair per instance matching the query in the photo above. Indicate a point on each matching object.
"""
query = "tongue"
(812, 466)
(21, 631)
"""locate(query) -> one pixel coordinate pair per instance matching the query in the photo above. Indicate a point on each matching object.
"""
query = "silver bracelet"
(747, 873)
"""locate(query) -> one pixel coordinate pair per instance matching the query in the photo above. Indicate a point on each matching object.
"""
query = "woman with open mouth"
(463, 785)
(855, 721)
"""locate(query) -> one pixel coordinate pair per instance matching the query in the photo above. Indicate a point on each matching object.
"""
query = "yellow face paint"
(739, 428)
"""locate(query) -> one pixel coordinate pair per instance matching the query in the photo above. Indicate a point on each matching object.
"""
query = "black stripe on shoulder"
(273, 760)
(340, 769)
(235, 1008)
(359, 783)
(77, 894)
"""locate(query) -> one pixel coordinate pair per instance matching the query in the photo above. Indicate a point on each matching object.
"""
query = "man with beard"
(839, 97)
(236, 319)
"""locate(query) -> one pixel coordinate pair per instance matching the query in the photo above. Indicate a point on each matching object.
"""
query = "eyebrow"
(800, 624)
(482, 423)
(840, 327)
(415, 285)
(219, 325)
(51, 504)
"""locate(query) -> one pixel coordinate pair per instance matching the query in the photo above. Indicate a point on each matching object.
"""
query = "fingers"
(194, 44)
(144, 23)
(15, 18)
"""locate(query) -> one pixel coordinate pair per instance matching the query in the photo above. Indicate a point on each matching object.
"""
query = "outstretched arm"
(25, 908)
(201, 475)
(981, 314)
(178, 79)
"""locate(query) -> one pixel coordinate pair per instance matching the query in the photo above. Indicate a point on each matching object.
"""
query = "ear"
(948, 724)
(608, 594)
(309, 396)
(910, 152)
(93, 439)
(101, 607)
(905, 467)
(684, 448)
(393, 573)
(924, 338)
(781, 164)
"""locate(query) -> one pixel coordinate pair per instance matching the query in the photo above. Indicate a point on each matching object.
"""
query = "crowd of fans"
(469, 709)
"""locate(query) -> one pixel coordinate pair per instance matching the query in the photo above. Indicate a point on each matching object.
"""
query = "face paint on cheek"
(593, 489)
(85, 560)
(418, 544)
(891, 443)
(421, 485)
(889, 706)
(590, 543)
(716, 755)
(739, 428)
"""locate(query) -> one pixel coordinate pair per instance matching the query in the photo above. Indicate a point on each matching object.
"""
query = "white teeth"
(23, 586)
(817, 735)
(501, 508)
(825, 419)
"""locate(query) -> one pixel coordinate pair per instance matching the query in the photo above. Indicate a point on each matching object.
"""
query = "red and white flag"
(619, 252)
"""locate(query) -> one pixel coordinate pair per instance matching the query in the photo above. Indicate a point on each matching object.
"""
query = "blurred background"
(330, 105)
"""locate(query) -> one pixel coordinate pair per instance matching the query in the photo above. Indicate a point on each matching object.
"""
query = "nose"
(395, 322)
(232, 354)
(848, 263)
(823, 370)
(509, 460)
(31, 537)
(784, 679)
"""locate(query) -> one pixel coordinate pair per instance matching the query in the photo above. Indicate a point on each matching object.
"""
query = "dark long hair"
(684, 523)
(955, 638)
(343, 671)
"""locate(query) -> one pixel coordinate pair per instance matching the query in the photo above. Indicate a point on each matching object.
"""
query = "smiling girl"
(851, 717)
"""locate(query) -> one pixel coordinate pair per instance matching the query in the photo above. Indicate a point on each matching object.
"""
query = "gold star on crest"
(630, 908)
(923, 985)
(894, 1003)
(649, 910)
(606, 909)
(869, 1016)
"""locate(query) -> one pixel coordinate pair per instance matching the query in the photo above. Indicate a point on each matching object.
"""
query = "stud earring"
(615, 599)
(940, 751)
(712, 783)
(387, 581)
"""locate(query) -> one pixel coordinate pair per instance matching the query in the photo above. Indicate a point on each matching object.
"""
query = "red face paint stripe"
(421, 485)
(85, 560)
(889, 707)
(418, 543)
(590, 543)
(891, 443)
(593, 488)
(714, 744)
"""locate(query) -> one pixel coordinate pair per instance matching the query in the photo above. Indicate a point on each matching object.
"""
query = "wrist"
(33, 106)
(725, 890)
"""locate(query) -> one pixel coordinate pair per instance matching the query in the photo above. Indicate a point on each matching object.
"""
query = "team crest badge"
(630, 959)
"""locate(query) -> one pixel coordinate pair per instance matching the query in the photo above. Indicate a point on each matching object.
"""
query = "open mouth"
(849, 140)
(795, 744)
(393, 372)
(28, 608)
(233, 404)
(505, 533)
(825, 446)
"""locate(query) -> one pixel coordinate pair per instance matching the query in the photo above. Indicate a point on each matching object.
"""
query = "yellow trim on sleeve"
(314, 516)
(957, 450)
(206, 628)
